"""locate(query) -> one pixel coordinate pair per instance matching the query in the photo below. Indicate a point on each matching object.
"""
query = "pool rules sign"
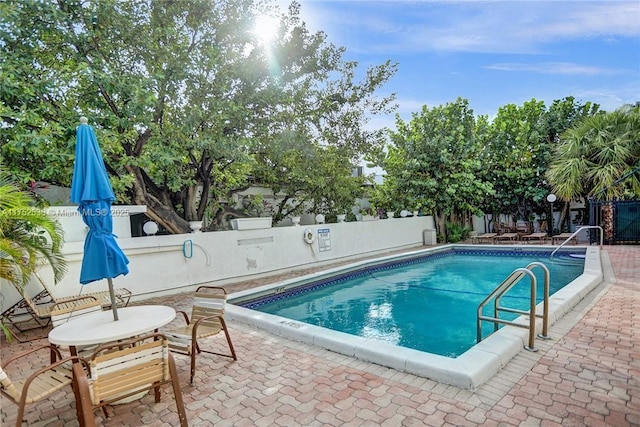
(324, 239)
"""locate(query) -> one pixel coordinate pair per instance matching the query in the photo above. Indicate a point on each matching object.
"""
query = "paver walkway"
(588, 375)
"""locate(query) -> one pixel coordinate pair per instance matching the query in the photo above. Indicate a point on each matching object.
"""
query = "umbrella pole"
(114, 307)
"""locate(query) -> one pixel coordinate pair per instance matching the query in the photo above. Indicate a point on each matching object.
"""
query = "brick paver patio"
(587, 375)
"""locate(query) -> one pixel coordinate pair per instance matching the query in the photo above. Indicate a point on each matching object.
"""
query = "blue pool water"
(428, 304)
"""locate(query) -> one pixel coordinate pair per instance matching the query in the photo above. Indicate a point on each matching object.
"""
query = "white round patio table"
(100, 328)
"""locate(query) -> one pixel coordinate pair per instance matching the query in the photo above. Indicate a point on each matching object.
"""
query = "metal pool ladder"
(575, 233)
(517, 275)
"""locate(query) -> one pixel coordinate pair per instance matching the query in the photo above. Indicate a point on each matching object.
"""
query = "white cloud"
(478, 26)
(555, 68)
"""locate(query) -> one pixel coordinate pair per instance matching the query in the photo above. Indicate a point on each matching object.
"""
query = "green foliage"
(28, 236)
(457, 232)
(188, 103)
(434, 162)
(447, 163)
(594, 157)
(518, 145)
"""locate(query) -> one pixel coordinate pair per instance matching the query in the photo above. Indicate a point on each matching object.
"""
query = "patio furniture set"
(540, 238)
(115, 361)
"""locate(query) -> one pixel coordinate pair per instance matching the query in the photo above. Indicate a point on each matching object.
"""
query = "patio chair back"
(122, 295)
(208, 306)
(207, 319)
(62, 312)
(124, 369)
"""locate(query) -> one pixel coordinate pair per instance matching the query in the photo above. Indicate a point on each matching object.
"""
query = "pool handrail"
(575, 233)
(515, 277)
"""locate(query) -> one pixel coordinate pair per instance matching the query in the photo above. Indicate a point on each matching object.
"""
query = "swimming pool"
(404, 303)
(468, 370)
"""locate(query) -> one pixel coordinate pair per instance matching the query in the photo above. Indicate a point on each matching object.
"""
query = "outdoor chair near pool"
(40, 384)
(511, 237)
(541, 237)
(207, 319)
(62, 312)
(560, 238)
(35, 312)
(127, 369)
(122, 295)
(488, 237)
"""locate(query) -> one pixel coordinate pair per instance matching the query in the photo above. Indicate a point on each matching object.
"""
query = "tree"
(190, 106)
(599, 157)
(28, 237)
(434, 162)
(514, 156)
(517, 147)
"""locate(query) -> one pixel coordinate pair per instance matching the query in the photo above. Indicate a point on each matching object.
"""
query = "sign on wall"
(324, 239)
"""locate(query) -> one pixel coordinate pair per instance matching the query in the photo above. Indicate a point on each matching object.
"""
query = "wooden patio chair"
(510, 237)
(560, 238)
(541, 237)
(40, 384)
(207, 319)
(488, 237)
(125, 369)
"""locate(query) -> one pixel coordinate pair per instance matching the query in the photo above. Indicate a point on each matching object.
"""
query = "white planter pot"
(342, 217)
(390, 214)
(195, 226)
(251, 223)
(295, 220)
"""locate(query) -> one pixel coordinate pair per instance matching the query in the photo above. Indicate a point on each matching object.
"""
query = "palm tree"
(28, 237)
(595, 154)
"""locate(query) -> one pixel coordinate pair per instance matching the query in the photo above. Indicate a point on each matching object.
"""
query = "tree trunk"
(165, 216)
(156, 210)
(563, 224)
(440, 222)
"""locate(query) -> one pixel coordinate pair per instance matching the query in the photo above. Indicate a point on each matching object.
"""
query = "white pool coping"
(469, 370)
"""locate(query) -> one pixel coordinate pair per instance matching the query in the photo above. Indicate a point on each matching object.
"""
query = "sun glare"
(266, 28)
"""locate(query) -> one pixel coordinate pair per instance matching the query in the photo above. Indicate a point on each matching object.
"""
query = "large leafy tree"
(190, 105)
(434, 162)
(517, 147)
(514, 155)
(599, 157)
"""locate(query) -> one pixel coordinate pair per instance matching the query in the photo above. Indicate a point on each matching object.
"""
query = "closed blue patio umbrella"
(92, 191)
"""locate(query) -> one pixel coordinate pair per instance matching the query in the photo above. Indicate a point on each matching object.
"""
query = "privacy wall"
(163, 265)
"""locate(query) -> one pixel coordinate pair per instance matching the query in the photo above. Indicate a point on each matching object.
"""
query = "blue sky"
(491, 53)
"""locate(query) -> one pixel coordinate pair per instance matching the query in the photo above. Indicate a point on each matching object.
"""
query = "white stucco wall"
(75, 229)
(158, 265)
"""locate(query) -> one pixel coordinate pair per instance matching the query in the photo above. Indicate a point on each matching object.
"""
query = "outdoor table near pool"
(100, 328)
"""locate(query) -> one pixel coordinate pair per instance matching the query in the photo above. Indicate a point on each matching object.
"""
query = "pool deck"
(588, 374)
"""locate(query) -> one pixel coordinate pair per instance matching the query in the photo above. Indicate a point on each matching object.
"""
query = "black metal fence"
(620, 220)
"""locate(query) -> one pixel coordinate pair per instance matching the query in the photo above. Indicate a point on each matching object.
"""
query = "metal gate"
(620, 220)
